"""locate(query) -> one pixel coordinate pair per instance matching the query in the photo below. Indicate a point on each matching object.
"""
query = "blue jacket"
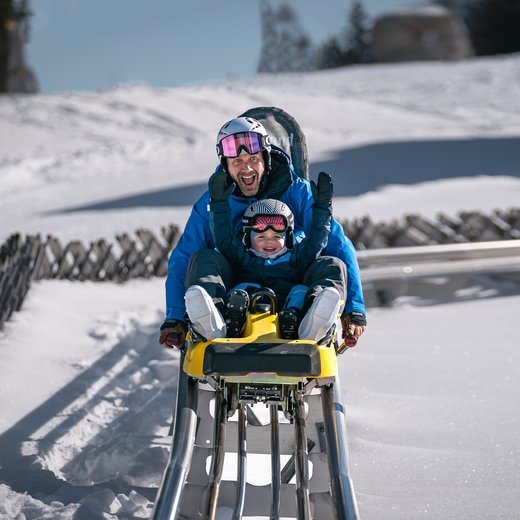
(281, 183)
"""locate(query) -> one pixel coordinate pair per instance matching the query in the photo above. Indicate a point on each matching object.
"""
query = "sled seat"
(284, 359)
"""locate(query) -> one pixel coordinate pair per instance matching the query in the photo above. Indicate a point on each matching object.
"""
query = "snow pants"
(211, 270)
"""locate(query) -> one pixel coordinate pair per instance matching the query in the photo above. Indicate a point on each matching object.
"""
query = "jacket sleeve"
(306, 251)
(226, 241)
(196, 235)
(299, 198)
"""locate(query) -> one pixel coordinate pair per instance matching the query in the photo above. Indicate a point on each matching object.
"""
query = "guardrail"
(436, 271)
(448, 252)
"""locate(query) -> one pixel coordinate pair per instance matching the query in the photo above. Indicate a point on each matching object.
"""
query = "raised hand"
(322, 191)
(220, 187)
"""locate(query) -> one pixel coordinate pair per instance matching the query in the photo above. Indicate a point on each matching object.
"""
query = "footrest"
(284, 359)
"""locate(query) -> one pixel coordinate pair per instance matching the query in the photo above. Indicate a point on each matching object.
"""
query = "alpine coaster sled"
(259, 396)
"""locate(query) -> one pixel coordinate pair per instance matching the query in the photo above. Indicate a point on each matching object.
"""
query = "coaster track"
(316, 436)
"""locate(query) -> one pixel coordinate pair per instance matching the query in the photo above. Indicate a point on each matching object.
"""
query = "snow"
(433, 11)
(431, 388)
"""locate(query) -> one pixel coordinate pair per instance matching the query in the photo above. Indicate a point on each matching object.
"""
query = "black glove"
(357, 318)
(173, 333)
(220, 187)
(322, 192)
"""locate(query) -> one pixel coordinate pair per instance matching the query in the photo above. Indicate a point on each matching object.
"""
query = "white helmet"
(250, 136)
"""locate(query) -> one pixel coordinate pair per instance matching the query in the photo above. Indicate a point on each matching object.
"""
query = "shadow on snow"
(138, 398)
(367, 168)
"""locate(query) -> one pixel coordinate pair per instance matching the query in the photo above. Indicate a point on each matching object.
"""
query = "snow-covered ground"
(431, 390)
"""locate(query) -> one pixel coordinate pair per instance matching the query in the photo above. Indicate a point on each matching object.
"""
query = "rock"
(424, 33)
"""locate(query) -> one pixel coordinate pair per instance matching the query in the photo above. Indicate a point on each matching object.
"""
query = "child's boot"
(288, 323)
(238, 305)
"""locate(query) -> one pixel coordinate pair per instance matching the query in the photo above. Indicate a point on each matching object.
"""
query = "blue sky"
(94, 44)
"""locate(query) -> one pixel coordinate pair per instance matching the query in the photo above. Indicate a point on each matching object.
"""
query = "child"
(267, 255)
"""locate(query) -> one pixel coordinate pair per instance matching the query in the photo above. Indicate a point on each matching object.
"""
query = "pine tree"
(330, 54)
(269, 39)
(14, 15)
(7, 17)
(495, 26)
(353, 44)
(358, 35)
(285, 46)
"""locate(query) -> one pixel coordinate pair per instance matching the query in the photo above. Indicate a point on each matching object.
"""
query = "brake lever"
(348, 342)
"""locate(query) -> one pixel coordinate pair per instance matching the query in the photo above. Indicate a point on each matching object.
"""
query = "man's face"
(247, 171)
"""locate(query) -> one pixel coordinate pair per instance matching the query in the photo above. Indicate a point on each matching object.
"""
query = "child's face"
(268, 242)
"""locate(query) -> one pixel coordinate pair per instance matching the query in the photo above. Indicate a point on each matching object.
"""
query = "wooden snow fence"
(23, 260)
(145, 255)
(415, 230)
(17, 261)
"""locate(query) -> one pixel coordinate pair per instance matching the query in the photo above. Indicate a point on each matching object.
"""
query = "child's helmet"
(243, 135)
(268, 214)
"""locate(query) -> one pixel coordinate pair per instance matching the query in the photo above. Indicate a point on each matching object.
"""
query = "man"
(259, 171)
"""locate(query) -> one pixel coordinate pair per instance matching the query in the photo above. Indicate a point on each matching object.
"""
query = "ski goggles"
(262, 223)
(250, 142)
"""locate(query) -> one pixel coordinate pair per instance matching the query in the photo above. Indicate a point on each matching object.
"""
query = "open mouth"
(248, 180)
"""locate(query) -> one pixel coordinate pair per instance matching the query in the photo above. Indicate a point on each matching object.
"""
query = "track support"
(275, 463)
(343, 498)
(241, 463)
(217, 460)
(302, 464)
(174, 477)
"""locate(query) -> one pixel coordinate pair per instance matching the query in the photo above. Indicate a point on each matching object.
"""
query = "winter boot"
(238, 305)
(321, 315)
(205, 318)
(288, 323)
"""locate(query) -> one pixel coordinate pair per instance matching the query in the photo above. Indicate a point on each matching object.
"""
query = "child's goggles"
(250, 142)
(277, 223)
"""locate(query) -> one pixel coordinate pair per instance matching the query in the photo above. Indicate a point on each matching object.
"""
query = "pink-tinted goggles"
(277, 223)
(232, 145)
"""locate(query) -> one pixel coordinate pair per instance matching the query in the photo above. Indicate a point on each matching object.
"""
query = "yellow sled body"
(261, 356)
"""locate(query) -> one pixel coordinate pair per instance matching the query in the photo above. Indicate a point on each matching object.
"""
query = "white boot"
(204, 316)
(321, 315)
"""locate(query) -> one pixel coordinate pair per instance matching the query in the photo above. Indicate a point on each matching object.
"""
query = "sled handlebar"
(348, 342)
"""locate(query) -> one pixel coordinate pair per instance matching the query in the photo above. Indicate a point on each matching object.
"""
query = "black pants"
(210, 269)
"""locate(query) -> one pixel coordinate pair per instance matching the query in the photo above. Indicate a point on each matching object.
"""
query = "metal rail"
(493, 249)
(217, 460)
(302, 464)
(343, 497)
(485, 257)
(275, 463)
(440, 268)
(241, 464)
(169, 494)
(436, 271)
